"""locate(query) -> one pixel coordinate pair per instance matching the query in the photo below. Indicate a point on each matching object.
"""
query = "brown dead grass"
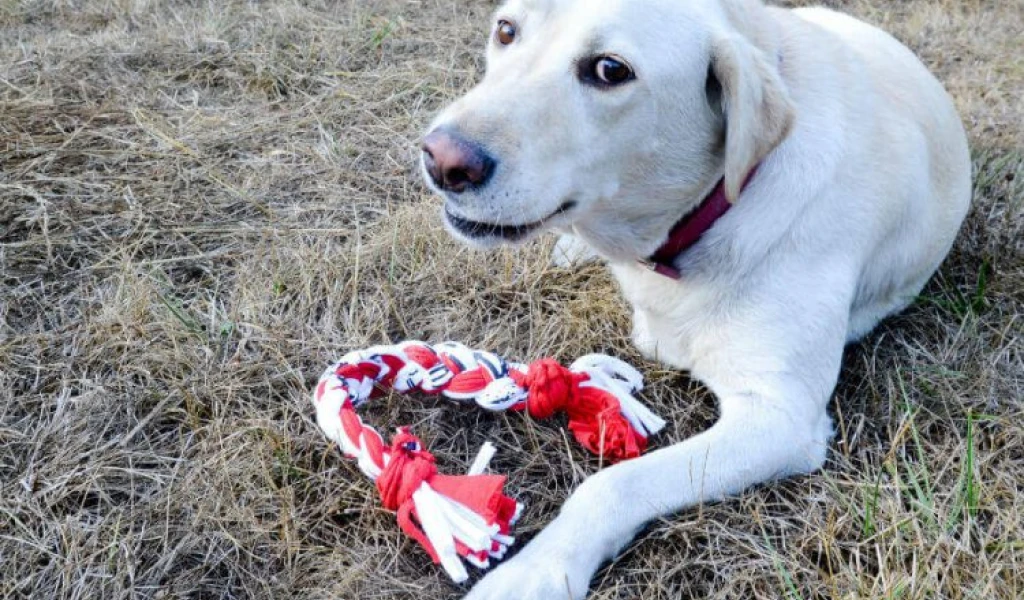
(202, 203)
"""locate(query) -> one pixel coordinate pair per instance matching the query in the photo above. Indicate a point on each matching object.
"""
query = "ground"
(202, 203)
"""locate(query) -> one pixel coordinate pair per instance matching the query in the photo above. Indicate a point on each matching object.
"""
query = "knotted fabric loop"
(551, 387)
(408, 467)
(468, 517)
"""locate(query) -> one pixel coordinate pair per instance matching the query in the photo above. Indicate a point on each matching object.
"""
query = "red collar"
(688, 230)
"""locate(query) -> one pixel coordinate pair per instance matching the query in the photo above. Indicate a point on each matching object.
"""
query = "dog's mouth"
(480, 229)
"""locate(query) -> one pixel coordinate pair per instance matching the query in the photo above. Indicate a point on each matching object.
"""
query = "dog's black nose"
(455, 163)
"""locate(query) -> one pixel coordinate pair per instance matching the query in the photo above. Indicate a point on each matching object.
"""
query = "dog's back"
(925, 137)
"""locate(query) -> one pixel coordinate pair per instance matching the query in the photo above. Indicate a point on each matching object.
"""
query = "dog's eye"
(612, 71)
(506, 32)
(607, 71)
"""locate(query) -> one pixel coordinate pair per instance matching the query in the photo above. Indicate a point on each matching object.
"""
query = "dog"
(765, 184)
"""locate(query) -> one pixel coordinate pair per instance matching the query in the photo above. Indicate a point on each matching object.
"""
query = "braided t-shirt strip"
(469, 516)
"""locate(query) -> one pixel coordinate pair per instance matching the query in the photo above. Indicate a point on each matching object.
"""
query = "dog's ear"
(757, 108)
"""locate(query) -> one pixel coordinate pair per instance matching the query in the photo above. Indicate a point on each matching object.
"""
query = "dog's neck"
(685, 233)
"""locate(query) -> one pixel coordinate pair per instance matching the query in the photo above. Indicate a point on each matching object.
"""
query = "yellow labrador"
(765, 184)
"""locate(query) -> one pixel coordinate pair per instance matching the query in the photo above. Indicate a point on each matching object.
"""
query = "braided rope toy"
(469, 516)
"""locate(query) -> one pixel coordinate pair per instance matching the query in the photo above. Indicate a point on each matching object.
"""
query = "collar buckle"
(647, 264)
(660, 268)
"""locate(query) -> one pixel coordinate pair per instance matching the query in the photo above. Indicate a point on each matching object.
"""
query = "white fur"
(863, 182)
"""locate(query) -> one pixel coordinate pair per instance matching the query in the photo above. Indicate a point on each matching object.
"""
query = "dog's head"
(610, 117)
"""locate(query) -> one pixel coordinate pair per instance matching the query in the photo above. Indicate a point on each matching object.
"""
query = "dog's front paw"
(643, 337)
(571, 251)
(559, 562)
(532, 578)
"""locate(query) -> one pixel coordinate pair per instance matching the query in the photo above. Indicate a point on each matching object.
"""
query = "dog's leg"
(773, 389)
(756, 439)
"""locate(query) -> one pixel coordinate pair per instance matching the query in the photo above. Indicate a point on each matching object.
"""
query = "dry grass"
(202, 203)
